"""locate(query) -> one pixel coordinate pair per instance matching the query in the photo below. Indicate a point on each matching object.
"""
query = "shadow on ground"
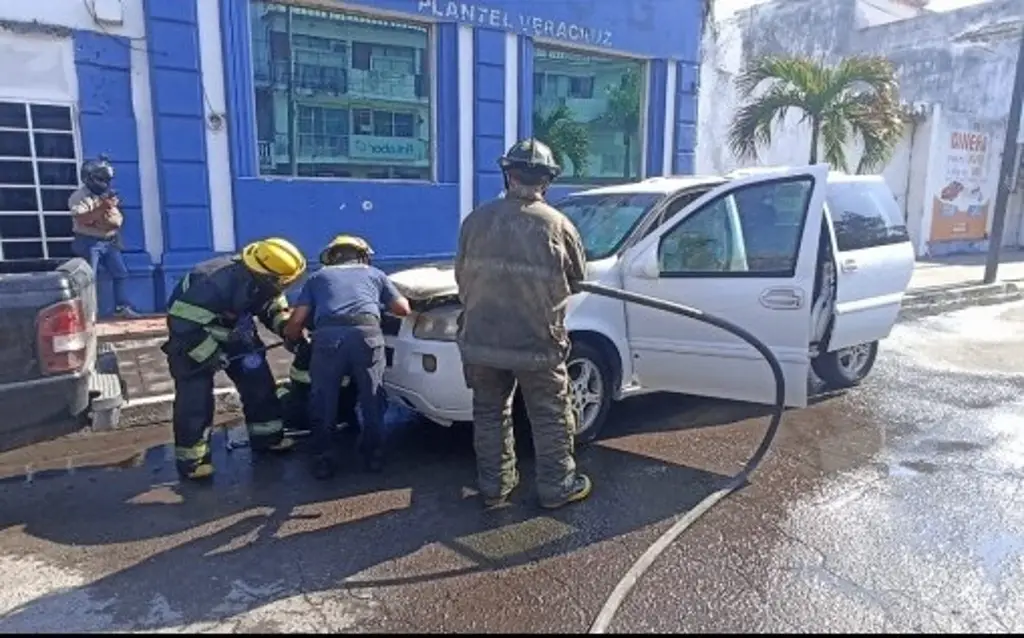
(270, 526)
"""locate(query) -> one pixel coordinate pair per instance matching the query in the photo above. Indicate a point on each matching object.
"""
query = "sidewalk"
(959, 270)
(937, 286)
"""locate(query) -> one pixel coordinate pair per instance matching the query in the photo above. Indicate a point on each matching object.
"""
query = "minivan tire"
(581, 352)
(839, 372)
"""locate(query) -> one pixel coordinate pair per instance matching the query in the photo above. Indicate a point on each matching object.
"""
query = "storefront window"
(589, 109)
(339, 94)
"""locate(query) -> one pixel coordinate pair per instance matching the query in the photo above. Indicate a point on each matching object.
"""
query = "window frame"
(433, 152)
(756, 274)
(76, 139)
(645, 99)
(836, 226)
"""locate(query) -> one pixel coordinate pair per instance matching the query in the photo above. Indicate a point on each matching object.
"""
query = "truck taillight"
(62, 337)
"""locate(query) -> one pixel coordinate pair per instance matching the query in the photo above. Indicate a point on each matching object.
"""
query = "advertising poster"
(961, 207)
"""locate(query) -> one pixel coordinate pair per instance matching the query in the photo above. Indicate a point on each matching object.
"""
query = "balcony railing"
(344, 81)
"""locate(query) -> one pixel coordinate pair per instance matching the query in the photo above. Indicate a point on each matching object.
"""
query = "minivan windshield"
(605, 220)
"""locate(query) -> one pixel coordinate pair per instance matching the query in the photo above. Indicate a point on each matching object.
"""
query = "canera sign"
(496, 18)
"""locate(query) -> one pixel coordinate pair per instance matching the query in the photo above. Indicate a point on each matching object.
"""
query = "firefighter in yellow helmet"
(344, 300)
(210, 324)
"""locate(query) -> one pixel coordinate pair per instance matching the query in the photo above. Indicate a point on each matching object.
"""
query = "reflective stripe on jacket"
(207, 304)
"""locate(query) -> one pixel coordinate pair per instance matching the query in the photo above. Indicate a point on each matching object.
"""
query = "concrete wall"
(960, 61)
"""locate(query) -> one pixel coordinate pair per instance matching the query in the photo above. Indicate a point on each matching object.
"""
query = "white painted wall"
(42, 67)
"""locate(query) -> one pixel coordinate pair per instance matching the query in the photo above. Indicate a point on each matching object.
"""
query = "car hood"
(427, 286)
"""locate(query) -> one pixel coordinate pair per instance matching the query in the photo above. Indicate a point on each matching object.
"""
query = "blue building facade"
(232, 120)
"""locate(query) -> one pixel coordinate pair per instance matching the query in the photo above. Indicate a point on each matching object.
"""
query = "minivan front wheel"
(847, 367)
(590, 395)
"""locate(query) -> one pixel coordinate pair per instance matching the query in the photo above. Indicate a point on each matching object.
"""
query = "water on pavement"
(892, 507)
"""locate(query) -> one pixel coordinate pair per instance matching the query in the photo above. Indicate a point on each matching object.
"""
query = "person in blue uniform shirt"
(345, 299)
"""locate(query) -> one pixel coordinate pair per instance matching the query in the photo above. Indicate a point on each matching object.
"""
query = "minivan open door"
(745, 251)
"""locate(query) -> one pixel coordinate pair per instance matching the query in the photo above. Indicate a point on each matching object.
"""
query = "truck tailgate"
(18, 361)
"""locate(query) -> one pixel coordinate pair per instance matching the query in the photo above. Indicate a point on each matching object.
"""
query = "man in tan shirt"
(96, 224)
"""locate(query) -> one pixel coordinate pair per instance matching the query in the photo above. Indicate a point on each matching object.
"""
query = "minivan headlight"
(439, 324)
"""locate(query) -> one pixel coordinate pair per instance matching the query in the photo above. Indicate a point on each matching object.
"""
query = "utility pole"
(995, 239)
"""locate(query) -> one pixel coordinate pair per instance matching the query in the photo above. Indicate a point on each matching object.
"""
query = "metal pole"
(995, 240)
(293, 160)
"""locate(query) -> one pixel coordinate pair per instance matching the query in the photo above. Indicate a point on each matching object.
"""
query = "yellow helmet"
(275, 258)
(347, 241)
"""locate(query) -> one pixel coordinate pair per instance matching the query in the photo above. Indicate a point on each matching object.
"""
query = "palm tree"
(857, 97)
(623, 114)
(567, 138)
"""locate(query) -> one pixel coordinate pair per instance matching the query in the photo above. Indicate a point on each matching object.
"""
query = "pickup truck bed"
(55, 378)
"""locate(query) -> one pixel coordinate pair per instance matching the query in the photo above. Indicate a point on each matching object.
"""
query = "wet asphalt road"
(895, 507)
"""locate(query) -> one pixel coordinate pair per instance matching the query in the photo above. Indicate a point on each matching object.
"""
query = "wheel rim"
(854, 360)
(586, 392)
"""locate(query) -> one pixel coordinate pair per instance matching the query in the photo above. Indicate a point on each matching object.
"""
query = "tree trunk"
(815, 130)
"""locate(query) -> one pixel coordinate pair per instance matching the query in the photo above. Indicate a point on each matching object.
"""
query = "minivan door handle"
(849, 265)
(782, 298)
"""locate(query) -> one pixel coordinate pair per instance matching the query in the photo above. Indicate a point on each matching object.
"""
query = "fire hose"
(633, 575)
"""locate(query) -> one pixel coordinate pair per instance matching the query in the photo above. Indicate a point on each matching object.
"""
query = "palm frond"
(800, 73)
(834, 132)
(859, 74)
(752, 125)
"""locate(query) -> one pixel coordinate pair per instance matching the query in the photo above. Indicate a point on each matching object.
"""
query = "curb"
(925, 303)
(939, 300)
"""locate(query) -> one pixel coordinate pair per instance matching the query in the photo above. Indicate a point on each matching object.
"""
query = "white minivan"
(813, 263)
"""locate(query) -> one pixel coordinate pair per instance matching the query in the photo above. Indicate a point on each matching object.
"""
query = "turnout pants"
(546, 394)
(356, 352)
(194, 403)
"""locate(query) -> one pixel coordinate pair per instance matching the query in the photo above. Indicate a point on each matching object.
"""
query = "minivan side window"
(754, 230)
(677, 205)
(864, 215)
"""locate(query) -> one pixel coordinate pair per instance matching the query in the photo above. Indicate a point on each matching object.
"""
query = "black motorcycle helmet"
(532, 162)
(97, 174)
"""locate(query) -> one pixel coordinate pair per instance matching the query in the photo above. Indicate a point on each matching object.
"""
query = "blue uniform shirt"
(346, 289)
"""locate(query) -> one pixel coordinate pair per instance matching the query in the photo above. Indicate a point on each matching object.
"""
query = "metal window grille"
(39, 160)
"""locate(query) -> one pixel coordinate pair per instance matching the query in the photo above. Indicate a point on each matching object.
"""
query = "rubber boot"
(199, 472)
(501, 501)
(581, 489)
(284, 444)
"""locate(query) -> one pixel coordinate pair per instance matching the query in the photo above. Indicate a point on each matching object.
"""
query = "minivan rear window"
(865, 214)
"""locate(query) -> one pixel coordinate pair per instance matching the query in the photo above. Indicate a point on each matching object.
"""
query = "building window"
(38, 173)
(589, 109)
(339, 94)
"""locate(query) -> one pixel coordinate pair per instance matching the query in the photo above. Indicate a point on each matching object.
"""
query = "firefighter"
(344, 299)
(294, 393)
(210, 327)
(517, 263)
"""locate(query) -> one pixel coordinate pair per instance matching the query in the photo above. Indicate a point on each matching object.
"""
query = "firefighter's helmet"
(357, 245)
(275, 259)
(531, 156)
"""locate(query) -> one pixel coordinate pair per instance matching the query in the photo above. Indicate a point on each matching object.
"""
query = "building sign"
(496, 18)
(960, 208)
(371, 147)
